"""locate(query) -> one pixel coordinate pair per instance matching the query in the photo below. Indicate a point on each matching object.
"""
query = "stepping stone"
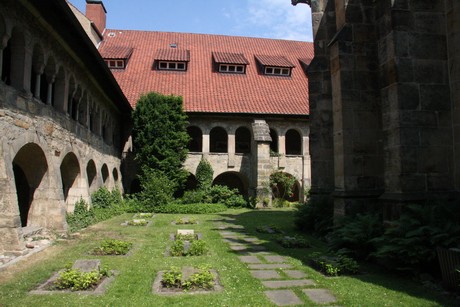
(240, 247)
(275, 284)
(320, 296)
(249, 259)
(295, 274)
(250, 239)
(269, 258)
(269, 266)
(265, 274)
(283, 297)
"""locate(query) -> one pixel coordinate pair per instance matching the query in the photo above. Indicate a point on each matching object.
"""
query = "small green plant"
(333, 265)
(172, 278)
(137, 222)
(143, 215)
(293, 242)
(315, 216)
(197, 248)
(177, 248)
(268, 229)
(191, 208)
(186, 236)
(185, 221)
(113, 247)
(203, 279)
(76, 280)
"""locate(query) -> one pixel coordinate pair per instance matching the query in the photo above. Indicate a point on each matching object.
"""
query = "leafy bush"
(177, 248)
(202, 280)
(76, 280)
(157, 190)
(81, 217)
(204, 174)
(410, 243)
(113, 247)
(282, 184)
(333, 265)
(293, 242)
(185, 221)
(176, 208)
(315, 216)
(103, 198)
(354, 235)
(229, 197)
(137, 222)
(186, 236)
(143, 215)
(172, 278)
(197, 248)
(196, 197)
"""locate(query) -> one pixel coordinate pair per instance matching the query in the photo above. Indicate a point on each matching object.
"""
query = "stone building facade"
(384, 102)
(62, 117)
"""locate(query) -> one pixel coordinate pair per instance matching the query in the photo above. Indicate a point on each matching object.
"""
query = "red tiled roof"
(274, 60)
(173, 54)
(116, 52)
(229, 58)
(202, 87)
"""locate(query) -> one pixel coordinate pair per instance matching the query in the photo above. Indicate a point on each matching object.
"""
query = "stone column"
(231, 149)
(261, 161)
(49, 97)
(282, 151)
(38, 76)
(205, 145)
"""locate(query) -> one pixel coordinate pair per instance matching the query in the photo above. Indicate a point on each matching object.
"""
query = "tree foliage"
(204, 173)
(282, 184)
(160, 135)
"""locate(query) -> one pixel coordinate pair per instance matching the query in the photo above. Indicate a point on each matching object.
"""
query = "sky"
(254, 18)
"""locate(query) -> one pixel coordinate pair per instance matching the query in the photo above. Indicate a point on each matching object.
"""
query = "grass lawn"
(133, 284)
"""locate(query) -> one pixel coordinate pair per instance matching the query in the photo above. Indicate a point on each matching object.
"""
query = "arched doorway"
(293, 142)
(218, 140)
(29, 168)
(242, 140)
(105, 173)
(91, 173)
(233, 180)
(70, 171)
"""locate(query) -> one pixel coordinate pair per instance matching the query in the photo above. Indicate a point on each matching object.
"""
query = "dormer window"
(274, 65)
(116, 57)
(171, 59)
(226, 62)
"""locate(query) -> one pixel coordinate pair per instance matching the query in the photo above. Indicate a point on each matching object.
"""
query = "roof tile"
(229, 58)
(274, 60)
(173, 54)
(117, 52)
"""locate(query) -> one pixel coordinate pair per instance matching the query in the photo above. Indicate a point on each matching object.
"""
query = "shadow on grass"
(284, 220)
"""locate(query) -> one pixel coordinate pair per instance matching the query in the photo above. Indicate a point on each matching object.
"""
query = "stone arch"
(15, 53)
(105, 173)
(115, 175)
(279, 191)
(59, 98)
(218, 140)
(293, 142)
(274, 143)
(70, 173)
(91, 174)
(30, 168)
(242, 140)
(196, 139)
(36, 72)
(233, 180)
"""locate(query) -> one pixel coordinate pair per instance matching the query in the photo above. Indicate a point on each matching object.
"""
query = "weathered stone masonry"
(61, 125)
(384, 95)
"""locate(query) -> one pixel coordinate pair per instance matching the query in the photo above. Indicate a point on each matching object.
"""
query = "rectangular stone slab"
(265, 274)
(185, 231)
(275, 284)
(283, 297)
(269, 266)
(249, 259)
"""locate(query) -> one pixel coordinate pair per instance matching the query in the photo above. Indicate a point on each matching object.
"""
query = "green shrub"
(354, 234)
(103, 198)
(113, 247)
(229, 197)
(282, 184)
(334, 265)
(137, 222)
(195, 197)
(185, 221)
(202, 280)
(81, 217)
(315, 216)
(77, 280)
(177, 248)
(410, 243)
(176, 208)
(204, 174)
(157, 190)
(293, 242)
(197, 248)
(172, 278)
(186, 236)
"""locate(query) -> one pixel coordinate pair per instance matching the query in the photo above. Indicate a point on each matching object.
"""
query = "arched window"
(274, 142)
(242, 140)
(105, 173)
(196, 139)
(70, 170)
(91, 173)
(293, 143)
(218, 140)
(233, 180)
(16, 69)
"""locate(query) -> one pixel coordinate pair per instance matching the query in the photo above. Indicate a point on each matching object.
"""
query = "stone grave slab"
(185, 231)
(275, 284)
(87, 265)
(320, 296)
(249, 259)
(295, 273)
(274, 258)
(283, 297)
(265, 274)
(269, 266)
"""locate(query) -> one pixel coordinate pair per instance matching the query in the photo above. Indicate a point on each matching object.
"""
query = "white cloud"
(280, 19)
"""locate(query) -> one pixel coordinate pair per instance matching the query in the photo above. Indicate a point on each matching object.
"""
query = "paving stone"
(274, 284)
(271, 258)
(265, 274)
(269, 266)
(250, 239)
(235, 247)
(249, 259)
(283, 297)
(295, 273)
(320, 296)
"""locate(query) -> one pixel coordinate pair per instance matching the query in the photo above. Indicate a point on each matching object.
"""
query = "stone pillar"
(281, 151)
(231, 150)
(206, 141)
(38, 76)
(49, 97)
(261, 159)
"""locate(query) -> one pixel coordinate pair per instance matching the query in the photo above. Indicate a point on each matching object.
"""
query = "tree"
(160, 136)
(204, 173)
(282, 184)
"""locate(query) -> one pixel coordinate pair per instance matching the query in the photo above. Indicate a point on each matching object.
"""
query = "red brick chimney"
(95, 11)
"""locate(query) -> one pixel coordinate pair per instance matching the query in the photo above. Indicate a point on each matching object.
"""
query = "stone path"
(285, 285)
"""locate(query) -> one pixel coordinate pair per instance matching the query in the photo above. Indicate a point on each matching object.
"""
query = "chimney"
(95, 11)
